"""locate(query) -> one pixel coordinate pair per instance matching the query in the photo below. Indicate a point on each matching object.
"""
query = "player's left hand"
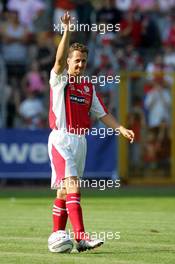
(127, 133)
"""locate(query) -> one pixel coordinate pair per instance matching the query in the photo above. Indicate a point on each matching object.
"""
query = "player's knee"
(72, 185)
(61, 194)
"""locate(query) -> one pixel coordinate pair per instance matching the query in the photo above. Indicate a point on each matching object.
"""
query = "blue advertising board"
(24, 154)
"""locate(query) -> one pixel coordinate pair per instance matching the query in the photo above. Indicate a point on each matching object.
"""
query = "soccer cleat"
(89, 244)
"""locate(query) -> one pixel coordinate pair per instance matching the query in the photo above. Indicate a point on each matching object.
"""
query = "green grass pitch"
(145, 218)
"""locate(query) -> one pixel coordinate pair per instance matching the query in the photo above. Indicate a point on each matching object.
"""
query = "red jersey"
(71, 104)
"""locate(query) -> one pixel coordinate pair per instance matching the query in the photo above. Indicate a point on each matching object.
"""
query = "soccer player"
(70, 105)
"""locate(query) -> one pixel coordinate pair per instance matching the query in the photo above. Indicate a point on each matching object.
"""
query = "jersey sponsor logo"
(77, 99)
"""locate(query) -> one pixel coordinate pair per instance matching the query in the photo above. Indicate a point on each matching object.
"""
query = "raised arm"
(62, 50)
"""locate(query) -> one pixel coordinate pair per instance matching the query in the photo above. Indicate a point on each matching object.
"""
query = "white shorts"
(67, 153)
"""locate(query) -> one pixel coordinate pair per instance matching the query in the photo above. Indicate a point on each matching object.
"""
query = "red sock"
(59, 214)
(75, 215)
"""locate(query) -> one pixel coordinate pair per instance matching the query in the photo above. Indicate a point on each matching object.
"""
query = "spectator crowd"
(144, 43)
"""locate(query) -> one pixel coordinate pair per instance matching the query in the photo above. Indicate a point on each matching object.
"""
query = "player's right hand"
(66, 20)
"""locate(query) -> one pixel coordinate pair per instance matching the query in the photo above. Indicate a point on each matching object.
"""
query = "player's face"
(77, 63)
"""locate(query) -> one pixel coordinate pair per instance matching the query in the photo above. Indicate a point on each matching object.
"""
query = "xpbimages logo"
(101, 80)
(103, 235)
(101, 28)
(100, 184)
(101, 132)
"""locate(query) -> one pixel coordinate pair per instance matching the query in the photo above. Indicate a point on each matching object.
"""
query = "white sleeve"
(57, 79)
(97, 108)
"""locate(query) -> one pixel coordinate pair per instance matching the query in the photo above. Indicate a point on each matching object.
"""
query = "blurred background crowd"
(145, 43)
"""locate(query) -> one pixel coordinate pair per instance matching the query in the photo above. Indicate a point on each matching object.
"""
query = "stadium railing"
(125, 171)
